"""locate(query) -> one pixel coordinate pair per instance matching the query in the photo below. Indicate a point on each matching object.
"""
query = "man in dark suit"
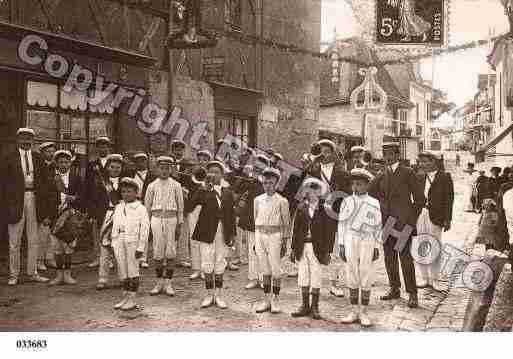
(434, 218)
(331, 171)
(395, 189)
(143, 177)
(215, 230)
(47, 150)
(23, 182)
(94, 170)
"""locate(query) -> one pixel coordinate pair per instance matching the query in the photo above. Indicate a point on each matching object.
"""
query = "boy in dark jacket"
(312, 241)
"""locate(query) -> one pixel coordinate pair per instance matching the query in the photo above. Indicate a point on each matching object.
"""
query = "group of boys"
(318, 212)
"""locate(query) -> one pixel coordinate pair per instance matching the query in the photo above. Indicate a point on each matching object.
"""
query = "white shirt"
(507, 203)
(327, 169)
(271, 210)
(165, 195)
(429, 180)
(115, 182)
(359, 217)
(131, 224)
(394, 166)
(140, 177)
(65, 181)
(27, 172)
(217, 188)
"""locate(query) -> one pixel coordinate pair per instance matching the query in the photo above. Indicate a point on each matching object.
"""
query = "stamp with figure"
(411, 22)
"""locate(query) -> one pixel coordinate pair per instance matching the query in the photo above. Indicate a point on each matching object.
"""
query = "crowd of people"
(195, 212)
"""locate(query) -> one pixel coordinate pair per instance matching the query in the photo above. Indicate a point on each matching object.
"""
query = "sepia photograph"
(311, 174)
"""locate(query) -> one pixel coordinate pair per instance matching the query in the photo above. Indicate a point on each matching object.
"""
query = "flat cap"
(102, 139)
(205, 153)
(361, 173)
(358, 149)
(166, 159)
(46, 145)
(115, 157)
(140, 155)
(127, 181)
(178, 143)
(62, 153)
(217, 164)
(26, 131)
(272, 172)
(329, 143)
(429, 154)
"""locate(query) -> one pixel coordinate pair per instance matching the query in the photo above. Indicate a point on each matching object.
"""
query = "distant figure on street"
(458, 159)
(470, 182)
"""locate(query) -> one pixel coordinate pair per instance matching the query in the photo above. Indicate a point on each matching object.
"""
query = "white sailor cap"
(314, 183)
(46, 145)
(391, 144)
(361, 173)
(205, 153)
(329, 143)
(429, 154)
(140, 155)
(26, 131)
(278, 156)
(358, 149)
(178, 143)
(166, 159)
(272, 172)
(127, 181)
(102, 139)
(114, 157)
(217, 164)
(60, 153)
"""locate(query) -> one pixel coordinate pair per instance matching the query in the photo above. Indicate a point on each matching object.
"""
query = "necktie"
(27, 165)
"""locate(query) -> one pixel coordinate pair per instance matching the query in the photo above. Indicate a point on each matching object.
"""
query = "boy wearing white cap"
(66, 188)
(23, 177)
(359, 229)
(165, 205)
(215, 230)
(272, 231)
(130, 231)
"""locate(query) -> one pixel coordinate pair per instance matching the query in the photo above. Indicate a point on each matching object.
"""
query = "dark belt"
(29, 189)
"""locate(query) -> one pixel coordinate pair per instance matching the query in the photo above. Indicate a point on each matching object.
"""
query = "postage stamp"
(411, 22)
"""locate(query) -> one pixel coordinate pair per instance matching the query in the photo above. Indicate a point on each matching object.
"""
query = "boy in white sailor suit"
(165, 205)
(130, 230)
(272, 231)
(359, 229)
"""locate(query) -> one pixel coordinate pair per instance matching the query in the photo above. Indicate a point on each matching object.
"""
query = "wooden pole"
(171, 61)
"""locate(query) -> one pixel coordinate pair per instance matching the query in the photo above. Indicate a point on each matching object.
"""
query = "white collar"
(142, 171)
(114, 179)
(394, 166)
(432, 174)
(329, 164)
(132, 205)
(65, 174)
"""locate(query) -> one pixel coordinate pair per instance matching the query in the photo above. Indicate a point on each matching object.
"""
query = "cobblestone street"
(81, 307)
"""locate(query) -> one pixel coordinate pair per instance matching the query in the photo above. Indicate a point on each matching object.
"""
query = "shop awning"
(81, 47)
(496, 140)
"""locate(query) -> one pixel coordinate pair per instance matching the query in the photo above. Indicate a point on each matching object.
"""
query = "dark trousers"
(392, 265)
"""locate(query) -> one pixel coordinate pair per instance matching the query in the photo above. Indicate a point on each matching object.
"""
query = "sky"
(456, 73)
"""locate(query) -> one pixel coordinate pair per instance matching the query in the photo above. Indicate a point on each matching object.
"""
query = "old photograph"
(289, 166)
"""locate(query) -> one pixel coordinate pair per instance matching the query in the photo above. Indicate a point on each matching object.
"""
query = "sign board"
(213, 68)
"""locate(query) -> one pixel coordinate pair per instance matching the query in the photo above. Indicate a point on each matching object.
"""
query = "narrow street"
(39, 307)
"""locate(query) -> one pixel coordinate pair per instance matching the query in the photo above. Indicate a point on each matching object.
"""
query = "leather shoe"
(12, 281)
(393, 293)
(413, 301)
(38, 279)
(252, 285)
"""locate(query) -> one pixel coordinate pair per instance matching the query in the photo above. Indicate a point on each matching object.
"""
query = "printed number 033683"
(31, 344)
